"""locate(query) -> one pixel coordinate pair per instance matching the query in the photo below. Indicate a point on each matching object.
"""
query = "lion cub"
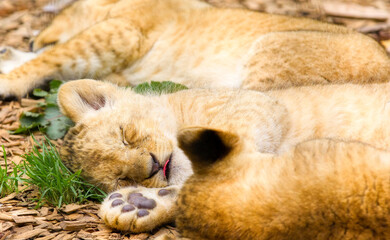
(125, 139)
(190, 42)
(320, 189)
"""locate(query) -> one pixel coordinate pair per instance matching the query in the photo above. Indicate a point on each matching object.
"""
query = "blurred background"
(22, 19)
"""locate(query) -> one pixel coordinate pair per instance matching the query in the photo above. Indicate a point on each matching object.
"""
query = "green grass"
(56, 183)
(43, 169)
(9, 182)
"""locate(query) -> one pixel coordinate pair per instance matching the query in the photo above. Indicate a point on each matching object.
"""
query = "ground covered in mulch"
(21, 20)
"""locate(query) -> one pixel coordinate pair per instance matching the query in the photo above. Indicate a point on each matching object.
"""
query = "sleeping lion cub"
(190, 42)
(320, 189)
(125, 139)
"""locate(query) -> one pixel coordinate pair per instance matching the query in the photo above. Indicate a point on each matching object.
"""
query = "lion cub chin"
(321, 189)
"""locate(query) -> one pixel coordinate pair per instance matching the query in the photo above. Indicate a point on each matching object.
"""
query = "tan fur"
(187, 41)
(116, 130)
(11, 58)
(321, 189)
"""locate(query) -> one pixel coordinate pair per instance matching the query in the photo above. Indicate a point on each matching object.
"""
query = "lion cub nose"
(155, 165)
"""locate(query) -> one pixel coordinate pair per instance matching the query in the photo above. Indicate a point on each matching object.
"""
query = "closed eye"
(124, 182)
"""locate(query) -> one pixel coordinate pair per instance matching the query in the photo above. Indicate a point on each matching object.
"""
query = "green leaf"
(51, 99)
(39, 92)
(51, 121)
(55, 85)
(158, 87)
(59, 124)
(30, 121)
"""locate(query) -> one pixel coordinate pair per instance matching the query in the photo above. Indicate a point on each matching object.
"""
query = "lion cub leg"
(90, 54)
(285, 59)
(139, 209)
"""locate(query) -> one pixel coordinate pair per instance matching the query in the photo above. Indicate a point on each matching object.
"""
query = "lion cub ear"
(205, 146)
(76, 98)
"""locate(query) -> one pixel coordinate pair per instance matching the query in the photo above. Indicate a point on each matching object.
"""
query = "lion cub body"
(321, 189)
(190, 42)
(139, 148)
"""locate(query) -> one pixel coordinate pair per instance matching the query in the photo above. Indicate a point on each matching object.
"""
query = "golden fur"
(321, 189)
(190, 42)
(119, 134)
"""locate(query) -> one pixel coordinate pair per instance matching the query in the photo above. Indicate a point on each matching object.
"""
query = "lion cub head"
(120, 138)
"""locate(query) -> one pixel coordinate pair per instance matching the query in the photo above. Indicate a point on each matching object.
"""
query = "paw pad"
(117, 202)
(128, 208)
(139, 209)
(135, 201)
(142, 213)
(163, 192)
(141, 202)
(115, 195)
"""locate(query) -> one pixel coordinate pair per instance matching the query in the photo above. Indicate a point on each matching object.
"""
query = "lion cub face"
(120, 138)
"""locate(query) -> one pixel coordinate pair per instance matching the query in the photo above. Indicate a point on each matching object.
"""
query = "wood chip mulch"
(19, 220)
(22, 19)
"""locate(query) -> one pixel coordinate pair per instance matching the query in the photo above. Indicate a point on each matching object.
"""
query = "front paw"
(11, 89)
(11, 58)
(6, 91)
(139, 209)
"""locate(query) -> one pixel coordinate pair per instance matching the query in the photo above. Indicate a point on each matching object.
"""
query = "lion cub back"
(321, 189)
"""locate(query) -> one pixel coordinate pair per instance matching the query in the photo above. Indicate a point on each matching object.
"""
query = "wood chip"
(23, 212)
(84, 235)
(101, 235)
(54, 216)
(60, 236)
(23, 220)
(89, 219)
(64, 236)
(72, 208)
(5, 217)
(6, 225)
(43, 225)
(26, 228)
(4, 235)
(29, 234)
(74, 216)
(114, 236)
(333, 8)
(26, 102)
(9, 197)
(44, 211)
(4, 112)
(12, 144)
(73, 225)
(16, 159)
(141, 236)
(48, 237)
(373, 28)
(56, 227)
